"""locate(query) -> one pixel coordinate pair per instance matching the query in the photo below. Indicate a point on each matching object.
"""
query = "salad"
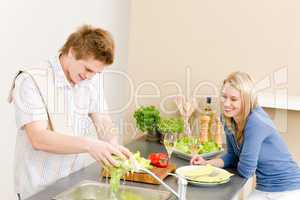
(123, 167)
(182, 145)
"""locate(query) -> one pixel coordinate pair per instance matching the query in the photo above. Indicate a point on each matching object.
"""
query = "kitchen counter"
(225, 191)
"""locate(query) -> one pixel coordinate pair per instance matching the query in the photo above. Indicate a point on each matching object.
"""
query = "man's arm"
(53, 142)
(105, 128)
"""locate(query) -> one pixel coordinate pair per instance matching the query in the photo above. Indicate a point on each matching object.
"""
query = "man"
(53, 102)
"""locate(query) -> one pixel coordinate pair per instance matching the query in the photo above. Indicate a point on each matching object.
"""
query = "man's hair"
(88, 41)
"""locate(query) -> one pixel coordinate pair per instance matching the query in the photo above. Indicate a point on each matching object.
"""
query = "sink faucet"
(181, 181)
(182, 184)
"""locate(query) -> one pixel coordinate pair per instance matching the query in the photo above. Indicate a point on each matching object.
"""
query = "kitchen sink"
(92, 190)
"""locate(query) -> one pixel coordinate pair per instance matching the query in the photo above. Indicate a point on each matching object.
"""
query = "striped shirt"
(36, 169)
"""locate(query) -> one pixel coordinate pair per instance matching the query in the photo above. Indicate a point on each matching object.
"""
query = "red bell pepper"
(159, 159)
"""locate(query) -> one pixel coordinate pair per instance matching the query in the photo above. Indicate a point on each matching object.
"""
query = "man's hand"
(43, 139)
(198, 160)
(102, 152)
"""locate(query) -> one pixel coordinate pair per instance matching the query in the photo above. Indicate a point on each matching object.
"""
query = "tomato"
(159, 159)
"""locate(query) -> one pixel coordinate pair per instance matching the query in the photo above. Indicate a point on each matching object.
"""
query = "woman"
(253, 143)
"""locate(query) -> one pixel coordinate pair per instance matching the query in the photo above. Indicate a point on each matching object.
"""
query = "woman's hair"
(89, 41)
(242, 82)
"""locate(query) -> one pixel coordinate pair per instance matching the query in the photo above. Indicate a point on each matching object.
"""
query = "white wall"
(33, 30)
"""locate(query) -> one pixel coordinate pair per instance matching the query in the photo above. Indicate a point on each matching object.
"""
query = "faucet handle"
(182, 186)
(180, 178)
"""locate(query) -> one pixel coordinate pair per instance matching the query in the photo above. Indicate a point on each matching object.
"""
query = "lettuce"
(124, 166)
(208, 147)
(182, 145)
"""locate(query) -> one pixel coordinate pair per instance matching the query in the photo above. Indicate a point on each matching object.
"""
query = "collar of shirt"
(60, 78)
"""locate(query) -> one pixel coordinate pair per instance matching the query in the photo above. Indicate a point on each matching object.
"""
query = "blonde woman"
(254, 146)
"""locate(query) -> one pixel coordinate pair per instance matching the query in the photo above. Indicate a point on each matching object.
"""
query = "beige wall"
(192, 42)
(292, 134)
(214, 38)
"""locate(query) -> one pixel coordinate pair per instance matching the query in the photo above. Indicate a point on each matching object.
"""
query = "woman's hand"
(198, 160)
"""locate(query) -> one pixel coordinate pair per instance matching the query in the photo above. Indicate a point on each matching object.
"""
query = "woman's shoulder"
(259, 116)
(259, 119)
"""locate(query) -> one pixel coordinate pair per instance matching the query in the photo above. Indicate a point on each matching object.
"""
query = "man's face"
(79, 70)
(231, 101)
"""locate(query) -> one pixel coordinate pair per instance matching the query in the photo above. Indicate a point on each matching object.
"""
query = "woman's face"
(231, 102)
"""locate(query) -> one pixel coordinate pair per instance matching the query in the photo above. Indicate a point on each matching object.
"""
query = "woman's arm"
(230, 159)
(198, 160)
(217, 162)
(254, 136)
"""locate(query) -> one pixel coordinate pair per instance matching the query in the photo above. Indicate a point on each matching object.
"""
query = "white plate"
(186, 156)
(180, 171)
(207, 184)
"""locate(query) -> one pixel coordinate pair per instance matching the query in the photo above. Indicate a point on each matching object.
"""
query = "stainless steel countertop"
(221, 192)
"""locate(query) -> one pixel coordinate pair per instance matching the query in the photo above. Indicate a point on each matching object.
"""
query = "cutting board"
(162, 173)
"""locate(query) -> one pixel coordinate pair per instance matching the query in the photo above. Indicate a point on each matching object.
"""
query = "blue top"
(264, 153)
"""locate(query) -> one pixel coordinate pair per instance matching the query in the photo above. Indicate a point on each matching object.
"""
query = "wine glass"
(170, 142)
(194, 143)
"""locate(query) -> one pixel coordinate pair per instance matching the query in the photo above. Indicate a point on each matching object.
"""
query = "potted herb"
(147, 120)
(170, 125)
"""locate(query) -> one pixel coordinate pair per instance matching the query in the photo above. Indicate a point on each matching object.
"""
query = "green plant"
(147, 118)
(170, 125)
